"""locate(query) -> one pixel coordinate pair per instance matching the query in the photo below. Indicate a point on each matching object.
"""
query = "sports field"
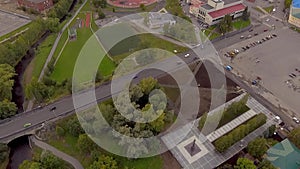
(67, 59)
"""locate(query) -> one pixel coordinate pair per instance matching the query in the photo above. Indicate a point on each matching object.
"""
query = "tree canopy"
(257, 147)
(244, 163)
(294, 136)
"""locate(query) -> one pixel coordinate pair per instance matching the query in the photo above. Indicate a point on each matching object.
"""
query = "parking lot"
(9, 22)
(273, 61)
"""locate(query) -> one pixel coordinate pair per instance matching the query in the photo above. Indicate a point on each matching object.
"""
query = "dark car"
(265, 30)
(250, 30)
(255, 34)
(274, 35)
(53, 108)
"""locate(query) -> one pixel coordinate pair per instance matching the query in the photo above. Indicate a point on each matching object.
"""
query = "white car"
(296, 120)
(175, 51)
(267, 20)
(186, 55)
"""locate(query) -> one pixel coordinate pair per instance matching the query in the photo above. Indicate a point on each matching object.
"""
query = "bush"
(60, 131)
(226, 141)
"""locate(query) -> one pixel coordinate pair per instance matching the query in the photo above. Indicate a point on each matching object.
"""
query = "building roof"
(296, 3)
(36, 1)
(228, 10)
(230, 1)
(196, 3)
(284, 155)
(207, 7)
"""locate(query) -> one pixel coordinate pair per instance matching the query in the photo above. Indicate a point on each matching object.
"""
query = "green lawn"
(240, 24)
(65, 64)
(15, 31)
(269, 8)
(42, 54)
(214, 35)
(173, 7)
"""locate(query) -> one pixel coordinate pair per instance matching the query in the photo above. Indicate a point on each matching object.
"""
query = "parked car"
(229, 68)
(242, 37)
(274, 35)
(265, 30)
(296, 120)
(256, 33)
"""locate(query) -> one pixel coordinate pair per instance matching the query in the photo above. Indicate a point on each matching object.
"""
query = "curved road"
(74, 162)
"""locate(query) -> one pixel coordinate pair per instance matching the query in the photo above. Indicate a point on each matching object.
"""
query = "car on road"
(27, 125)
(229, 68)
(250, 30)
(175, 51)
(249, 36)
(265, 30)
(242, 37)
(53, 108)
(296, 120)
(256, 33)
(267, 20)
(186, 55)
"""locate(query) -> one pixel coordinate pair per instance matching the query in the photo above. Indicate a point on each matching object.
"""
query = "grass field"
(240, 24)
(269, 8)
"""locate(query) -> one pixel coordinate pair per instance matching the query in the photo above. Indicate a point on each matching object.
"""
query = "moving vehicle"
(186, 55)
(27, 125)
(229, 68)
(53, 108)
(296, 120)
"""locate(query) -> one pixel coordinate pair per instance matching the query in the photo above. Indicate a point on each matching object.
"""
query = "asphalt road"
(65, 105)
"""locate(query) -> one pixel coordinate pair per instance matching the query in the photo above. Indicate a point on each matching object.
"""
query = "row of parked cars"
(294, 74)
(259, 42)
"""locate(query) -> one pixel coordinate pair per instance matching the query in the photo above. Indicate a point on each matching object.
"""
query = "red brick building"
(39, 5)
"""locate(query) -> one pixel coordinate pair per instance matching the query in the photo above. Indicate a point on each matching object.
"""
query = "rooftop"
(284, 155)
(296, 3)
(230, 1)
(228, 10)
(36, 1)
(207, 7)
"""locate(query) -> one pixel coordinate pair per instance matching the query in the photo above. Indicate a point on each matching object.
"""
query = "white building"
(214, 11)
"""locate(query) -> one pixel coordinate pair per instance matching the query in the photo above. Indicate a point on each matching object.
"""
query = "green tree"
(101, 15)
(287, 3)
(49, 161)
(202, 121)
(85, 144)
(60, 131)
(257, 147)
(53, 24)
(294, 136)
(226, 24)
(74, 127)
(148, 84)
(3, 152)
(244, 163)
(104, 162)
(7, 109)
(26, 164)
(265, 164)
(37, 90)
(6, 82)
(142, 6)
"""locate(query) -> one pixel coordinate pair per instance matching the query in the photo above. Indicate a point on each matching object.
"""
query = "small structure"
(72, 34)
(38, 5)
(158, 20)
(284, 155)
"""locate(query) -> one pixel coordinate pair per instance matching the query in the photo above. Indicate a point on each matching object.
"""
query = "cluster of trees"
(11, 53)
(60, 9)
(104, 162)
(99, 3)
(287, 3)
(294, 136)
(7, 108)
(145, 105)
(47, 161)
(246, 14)
(226, 141)
(174, 8)
(231, 112)
(226, 24)
(4, 152)
(245, 163)
(258, 147)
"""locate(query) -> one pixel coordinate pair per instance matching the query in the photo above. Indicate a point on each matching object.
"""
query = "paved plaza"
(208, 157)
(9, 22)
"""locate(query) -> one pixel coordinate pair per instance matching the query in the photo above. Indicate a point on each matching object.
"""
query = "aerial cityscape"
(149, 84)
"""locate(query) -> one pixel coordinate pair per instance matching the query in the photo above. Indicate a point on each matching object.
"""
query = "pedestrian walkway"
(210, 158)
(74, 162)
(231, 125)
